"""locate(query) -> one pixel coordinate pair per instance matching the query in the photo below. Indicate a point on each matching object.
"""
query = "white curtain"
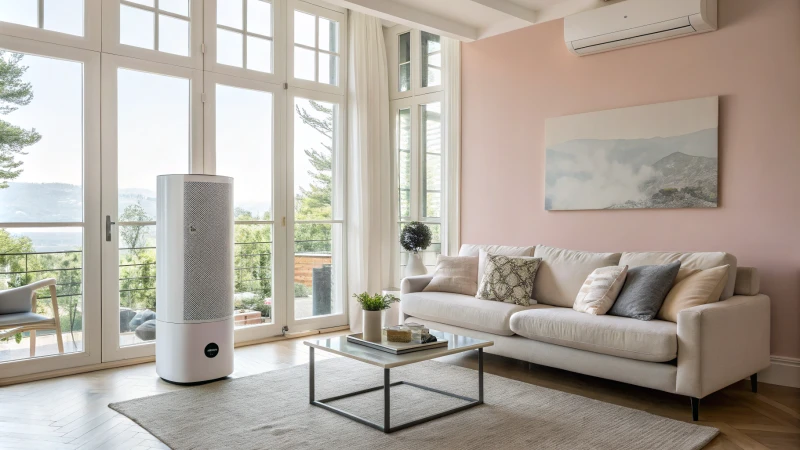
(369, 212)
(451, 53)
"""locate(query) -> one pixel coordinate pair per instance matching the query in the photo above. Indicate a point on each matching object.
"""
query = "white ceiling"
(470, 20)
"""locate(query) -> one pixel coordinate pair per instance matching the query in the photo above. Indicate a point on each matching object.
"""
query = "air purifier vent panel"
(207, 240)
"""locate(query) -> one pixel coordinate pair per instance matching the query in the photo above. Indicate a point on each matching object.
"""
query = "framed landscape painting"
(654, 156)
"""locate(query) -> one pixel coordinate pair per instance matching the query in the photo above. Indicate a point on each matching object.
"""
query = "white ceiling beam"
(405, 15)
(509, 8)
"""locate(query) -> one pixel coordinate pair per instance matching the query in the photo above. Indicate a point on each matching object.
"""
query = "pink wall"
(513, 82)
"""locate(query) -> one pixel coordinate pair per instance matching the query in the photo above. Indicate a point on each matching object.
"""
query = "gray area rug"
(271, 410)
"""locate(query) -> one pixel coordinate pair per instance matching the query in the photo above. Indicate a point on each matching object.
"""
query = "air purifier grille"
(208, 242)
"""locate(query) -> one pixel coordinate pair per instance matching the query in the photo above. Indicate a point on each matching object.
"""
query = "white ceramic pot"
(373, 321)
(414, 265)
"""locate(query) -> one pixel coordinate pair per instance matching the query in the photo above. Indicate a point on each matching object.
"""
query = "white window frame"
(339, 206)
(337, 15)
(91, 29)
(417, 177)
(112, 351)
(279, 239)
(278, 38)
(111, 30)
(91, 213)
(391, 38)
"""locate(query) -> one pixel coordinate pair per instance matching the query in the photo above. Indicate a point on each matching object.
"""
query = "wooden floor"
(72, 413)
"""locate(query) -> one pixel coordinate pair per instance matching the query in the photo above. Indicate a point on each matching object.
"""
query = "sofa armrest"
(415, 284)
(721, 343)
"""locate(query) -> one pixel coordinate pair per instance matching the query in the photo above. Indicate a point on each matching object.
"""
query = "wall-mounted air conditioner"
(636, 22)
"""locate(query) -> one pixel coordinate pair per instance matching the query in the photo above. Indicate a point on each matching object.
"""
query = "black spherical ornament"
(416, 236)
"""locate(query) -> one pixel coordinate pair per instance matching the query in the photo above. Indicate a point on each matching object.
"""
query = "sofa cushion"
(462, 311)
(748, 281)
(654, 341)
(505, 250)
(693, 260)
(562, 273)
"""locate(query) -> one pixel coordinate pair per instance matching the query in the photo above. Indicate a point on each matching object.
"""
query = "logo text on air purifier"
(211, 350)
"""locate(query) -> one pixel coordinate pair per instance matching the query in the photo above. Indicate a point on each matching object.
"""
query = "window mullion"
(40, 13)
(244, 34)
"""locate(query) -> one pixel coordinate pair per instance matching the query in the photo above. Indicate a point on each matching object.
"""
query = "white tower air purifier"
(194, 278)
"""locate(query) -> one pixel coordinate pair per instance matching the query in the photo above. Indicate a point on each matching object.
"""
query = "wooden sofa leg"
(695, 408)
(754, 382)
(33, 343)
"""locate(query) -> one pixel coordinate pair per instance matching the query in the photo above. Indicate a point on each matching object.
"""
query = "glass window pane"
(314, 125)
(230, 13)
(137, 280)
(303, 63)
(431, 145)
(42, 133)
(316, 248)
(328, 35)
(230, 48)
(304, 29)
(252, 298)
(244, 138)
(430, 42)
(22, 261)
(259, 54)
(64, 16)
(404, 161)
(433, 172)
(22, 12)
(136, 27)
(431, 60)
(173, 35)
(153, 137)
(259, 17)
(175, 6)
(404, 80)
(404, 48)
(328, 69)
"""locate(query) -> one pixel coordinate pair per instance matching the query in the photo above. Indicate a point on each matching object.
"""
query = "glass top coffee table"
(387, 361)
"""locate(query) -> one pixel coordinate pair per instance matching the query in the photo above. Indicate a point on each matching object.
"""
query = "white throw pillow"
(600, 290)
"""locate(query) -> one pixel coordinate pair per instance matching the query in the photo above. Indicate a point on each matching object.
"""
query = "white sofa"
(710, 347)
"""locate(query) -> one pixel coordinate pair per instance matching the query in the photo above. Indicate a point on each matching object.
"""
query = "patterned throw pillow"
(509, 279)
(600, 289)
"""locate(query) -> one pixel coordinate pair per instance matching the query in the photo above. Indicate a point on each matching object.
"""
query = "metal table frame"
(387, 385)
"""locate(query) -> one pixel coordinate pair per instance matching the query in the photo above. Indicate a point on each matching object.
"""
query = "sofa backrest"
(691, 260)
(505, 250)
(562, 273)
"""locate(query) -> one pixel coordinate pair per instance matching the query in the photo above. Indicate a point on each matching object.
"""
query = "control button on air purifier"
(211, 350)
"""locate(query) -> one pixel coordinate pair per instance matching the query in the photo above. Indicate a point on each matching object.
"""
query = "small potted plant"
(373, 307)
(415, 237)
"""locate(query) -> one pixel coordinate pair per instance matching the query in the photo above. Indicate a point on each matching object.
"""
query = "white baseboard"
(784, 371)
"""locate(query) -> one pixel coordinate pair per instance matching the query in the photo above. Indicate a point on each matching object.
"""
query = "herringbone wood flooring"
(72, 413)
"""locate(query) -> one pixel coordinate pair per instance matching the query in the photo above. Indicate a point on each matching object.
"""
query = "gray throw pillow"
(644, 291)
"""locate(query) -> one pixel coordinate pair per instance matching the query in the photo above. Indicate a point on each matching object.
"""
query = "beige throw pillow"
(694, 289)
(600, 289)
(456, 274)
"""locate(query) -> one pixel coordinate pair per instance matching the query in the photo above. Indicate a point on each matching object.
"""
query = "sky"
(153, 116)
(638, 122)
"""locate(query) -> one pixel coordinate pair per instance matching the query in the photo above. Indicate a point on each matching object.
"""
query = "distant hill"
(59, 202)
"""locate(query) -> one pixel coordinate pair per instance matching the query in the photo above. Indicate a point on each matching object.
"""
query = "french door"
(152, 125)
(49, 200)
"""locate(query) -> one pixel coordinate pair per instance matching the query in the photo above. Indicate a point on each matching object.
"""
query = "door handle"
(108, 228)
